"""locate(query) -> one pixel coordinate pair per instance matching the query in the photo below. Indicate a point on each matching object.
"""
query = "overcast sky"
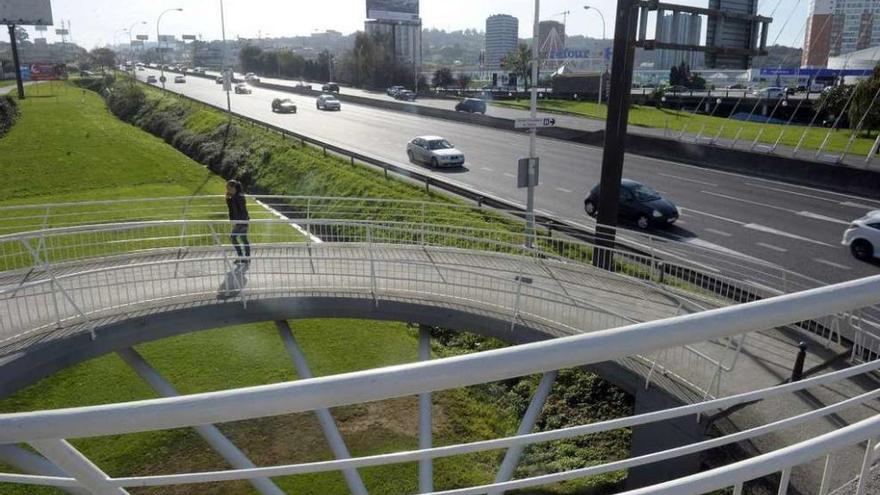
(101, 22)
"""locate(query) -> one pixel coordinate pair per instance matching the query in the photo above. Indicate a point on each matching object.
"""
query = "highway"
(794, 227)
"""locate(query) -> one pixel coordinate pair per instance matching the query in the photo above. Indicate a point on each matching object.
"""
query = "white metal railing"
(48, 428)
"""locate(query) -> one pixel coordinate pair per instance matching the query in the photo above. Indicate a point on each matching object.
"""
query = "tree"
(833, 103)
(21, 34)
(103, 58)
(464, 80)
(250, 58)
(519, 62)
(866, 104)
(442, 78)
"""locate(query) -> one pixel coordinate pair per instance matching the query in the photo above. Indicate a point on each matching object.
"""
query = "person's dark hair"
(236, 184)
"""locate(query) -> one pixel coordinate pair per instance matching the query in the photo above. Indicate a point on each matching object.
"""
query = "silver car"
(435, 151)
(328, 102)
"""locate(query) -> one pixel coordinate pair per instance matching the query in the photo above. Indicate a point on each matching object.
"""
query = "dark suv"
(471, 105)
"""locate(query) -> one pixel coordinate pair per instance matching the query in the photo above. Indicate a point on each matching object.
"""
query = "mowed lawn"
(68, 147)
(675, 121)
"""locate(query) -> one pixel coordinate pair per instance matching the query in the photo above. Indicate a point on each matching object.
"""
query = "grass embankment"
(253, 354)
(657, 118)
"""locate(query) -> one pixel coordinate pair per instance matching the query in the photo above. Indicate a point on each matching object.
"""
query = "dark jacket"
(237, 207)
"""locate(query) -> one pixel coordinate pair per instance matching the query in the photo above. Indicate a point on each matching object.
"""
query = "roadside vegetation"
(675, 120)
(68, 147)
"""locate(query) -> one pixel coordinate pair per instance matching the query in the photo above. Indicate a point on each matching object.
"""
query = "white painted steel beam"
(328, 424)
(210, 433)
(71, 461)
(35, 464)
(426, 466)
(511, 458)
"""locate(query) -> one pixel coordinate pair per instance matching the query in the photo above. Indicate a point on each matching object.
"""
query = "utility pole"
(533, 134)
(224, 69)
(615, 132)
(18, 81)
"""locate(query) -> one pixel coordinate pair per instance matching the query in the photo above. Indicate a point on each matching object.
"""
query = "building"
(728, 32)
(502, 36)
(551, 37)
(865, 59)
(405, 36)
(683, 29)
(839, 27)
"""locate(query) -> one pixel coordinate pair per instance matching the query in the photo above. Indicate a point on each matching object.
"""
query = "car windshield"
(644, 193)
(439, 144)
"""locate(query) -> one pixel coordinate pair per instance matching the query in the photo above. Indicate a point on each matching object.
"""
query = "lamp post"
(227, 78)
(159, 45)
(130, 48)
(601, 76)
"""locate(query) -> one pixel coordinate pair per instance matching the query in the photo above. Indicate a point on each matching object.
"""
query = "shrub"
(8, 113)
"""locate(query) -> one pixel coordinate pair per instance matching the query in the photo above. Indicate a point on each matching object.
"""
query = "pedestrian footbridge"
(690, 333)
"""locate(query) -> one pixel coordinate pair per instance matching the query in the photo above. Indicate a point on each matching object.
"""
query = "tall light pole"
(131, 49)
(159, 45)
(532, 172)
(227, 78)
(602, 75)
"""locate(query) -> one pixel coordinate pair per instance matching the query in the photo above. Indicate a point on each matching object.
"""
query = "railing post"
(783, 482)
(866, 467)
(309, 220)
(426, 467)
(372, 264)
(29, 463)
(826, 472)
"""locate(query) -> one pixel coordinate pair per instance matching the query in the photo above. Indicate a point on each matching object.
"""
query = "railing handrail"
(422, 377)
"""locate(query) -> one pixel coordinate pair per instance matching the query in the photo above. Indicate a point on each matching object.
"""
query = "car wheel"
(318, 107)
(435, 163)
(590, 208)
(409, 153)
(643, 222)
(862, 249)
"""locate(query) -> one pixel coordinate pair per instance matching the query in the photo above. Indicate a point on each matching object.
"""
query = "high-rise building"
(682, 29)
(551, 37)
(502, 36)
(733, 33)
(839, 27)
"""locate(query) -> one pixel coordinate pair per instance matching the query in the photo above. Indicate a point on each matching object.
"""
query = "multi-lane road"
(794, 227)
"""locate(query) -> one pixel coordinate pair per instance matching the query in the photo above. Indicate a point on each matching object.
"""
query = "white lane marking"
(696, 241)
(487, 169)
(769, 230)
(710, 215)
(695, 181)
(831, 264)
(772, 247)
(811, 196)
(719, 232)
(768, 289)
(805, 214)
(832, 193)
(859, 205)
(509, 175)
(817, 216)
(562, 189)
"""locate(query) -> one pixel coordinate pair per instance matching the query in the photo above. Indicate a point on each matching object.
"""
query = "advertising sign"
(46, 72)
(188, 37)
(26, 12)
(137, 43)
(393, 10)
(166, 38)
(61, 32)
(142, 37)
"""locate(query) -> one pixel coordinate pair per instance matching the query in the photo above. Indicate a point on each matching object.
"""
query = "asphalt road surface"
(795, 227)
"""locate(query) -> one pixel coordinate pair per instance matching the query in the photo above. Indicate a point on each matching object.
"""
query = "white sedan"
(435, 151)
(863, 236)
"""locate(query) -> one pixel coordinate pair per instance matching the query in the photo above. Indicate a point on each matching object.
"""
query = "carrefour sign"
(576, 54)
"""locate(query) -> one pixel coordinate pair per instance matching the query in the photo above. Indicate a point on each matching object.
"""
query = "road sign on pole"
(528, 173)
(534, 123)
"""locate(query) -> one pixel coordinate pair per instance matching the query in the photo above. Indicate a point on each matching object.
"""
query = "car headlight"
(657, 214)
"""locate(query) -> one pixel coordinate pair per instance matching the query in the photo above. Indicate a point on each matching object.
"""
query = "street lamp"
(601, 76)
(159, 45)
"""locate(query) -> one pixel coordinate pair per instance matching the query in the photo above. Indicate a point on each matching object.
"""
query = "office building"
(839, 27)
(682, 29)
(404, 36)
(551, 37)
(732, 33)
(502, 36)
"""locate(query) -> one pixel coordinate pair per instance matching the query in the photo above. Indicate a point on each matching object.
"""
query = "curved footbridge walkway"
(74, 292)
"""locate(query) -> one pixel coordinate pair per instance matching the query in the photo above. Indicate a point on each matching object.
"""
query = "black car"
(283, 106)
(638, 203)
(243, 89)
(330, 87)
(471, 105)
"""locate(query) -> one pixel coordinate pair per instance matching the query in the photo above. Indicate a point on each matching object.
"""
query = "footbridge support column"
(35, 464)
(210, 433)
(328, 424)
(426, 466)
(511, 458)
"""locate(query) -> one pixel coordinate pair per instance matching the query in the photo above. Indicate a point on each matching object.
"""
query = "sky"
(103, 22)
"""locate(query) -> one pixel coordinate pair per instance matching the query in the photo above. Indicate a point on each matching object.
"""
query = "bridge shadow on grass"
(234, 282)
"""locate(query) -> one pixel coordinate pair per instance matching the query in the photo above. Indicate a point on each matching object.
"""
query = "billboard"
(26, 12)
(188, 37)
(142, 37)
(393, 10)
(47, 72)
(166, 38)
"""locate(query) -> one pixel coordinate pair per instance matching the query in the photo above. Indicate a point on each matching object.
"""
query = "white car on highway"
(435, 151)
(863, 236)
